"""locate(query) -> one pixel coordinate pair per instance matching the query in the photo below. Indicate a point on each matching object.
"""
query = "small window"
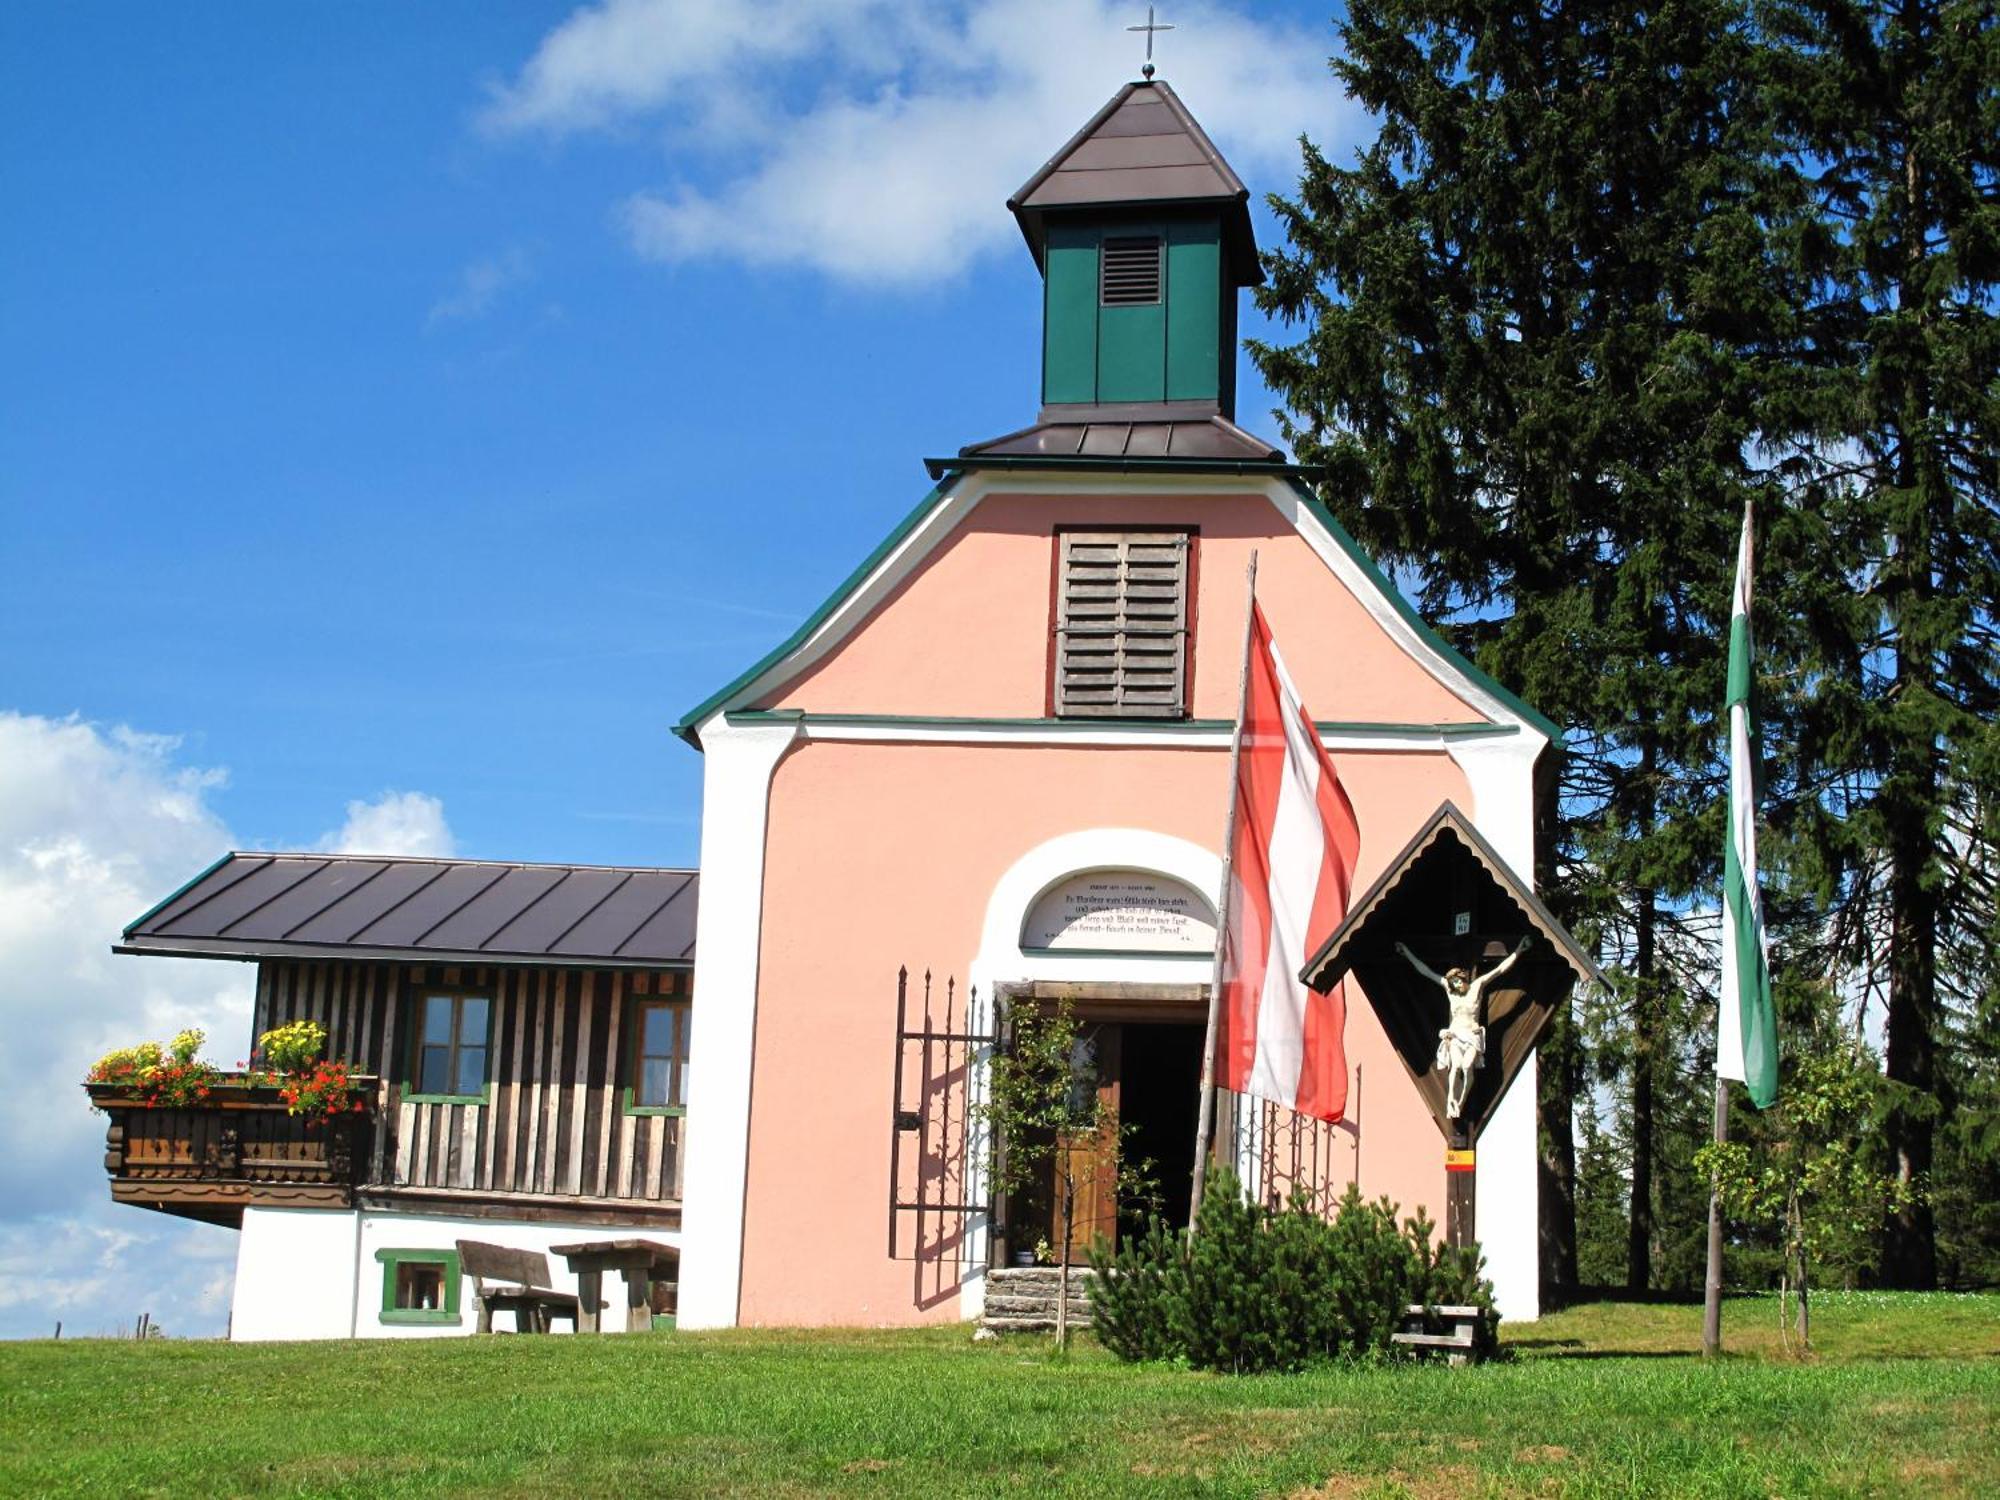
(451, 1045)
(1129, 270)
(659, 1057)
(1121, 624)
(419, 1286)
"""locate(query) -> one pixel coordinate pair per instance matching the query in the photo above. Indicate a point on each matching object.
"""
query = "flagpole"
(1711, 1308)
(1745, 964)
(1205, 1112)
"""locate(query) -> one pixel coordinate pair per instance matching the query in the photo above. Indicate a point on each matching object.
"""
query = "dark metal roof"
(431, 910)
(1207, 437)
(1141, 149)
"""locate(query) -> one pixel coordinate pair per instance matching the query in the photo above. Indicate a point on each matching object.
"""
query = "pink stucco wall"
(880, 855)
(968, 633)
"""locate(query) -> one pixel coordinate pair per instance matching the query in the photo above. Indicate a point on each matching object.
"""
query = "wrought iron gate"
(932, 1131)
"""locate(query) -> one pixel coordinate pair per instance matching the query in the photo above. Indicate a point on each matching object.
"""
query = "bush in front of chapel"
(1275, 1289)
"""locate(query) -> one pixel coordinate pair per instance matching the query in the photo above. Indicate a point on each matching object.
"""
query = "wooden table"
(641, 1262)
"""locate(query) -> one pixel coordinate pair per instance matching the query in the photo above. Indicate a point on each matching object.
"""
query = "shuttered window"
(1121, 624)
(1129, 270)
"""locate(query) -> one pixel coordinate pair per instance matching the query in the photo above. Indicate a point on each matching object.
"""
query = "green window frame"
(451, 1034)
(404, 1275)
(656, 1054)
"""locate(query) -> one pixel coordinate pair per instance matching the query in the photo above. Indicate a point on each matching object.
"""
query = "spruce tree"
(1888, 118)
(1531, 314)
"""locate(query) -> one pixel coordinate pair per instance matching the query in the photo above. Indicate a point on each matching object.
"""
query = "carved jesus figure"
(1462, 1042)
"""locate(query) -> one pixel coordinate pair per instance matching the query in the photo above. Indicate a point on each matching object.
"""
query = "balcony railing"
(237, 1149)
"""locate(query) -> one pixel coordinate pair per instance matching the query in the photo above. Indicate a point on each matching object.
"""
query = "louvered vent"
(1129, 271)
(1121, 625)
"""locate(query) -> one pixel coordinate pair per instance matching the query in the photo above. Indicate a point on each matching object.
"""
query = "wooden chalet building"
(522, 1031)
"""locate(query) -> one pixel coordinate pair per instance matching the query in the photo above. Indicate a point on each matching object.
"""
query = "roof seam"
(672, 896)
(314, 916)
(498, 876)
(586, 913)
(284, 890)
(400, 902)
(536, 901)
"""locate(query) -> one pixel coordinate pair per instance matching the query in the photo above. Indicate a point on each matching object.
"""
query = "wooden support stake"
(1711, 1306)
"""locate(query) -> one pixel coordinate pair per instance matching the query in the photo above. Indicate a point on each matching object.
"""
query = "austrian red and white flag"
(1291, 870)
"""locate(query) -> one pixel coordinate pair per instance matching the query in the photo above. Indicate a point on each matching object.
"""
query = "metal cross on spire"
(1149, 28)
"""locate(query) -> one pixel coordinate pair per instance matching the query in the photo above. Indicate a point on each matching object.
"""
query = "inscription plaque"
(1121, 911)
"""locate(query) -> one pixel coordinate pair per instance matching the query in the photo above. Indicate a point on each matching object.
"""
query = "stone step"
(1028, 1307)
(1028, 1325)
(1022, 1299)
(1037, 1275)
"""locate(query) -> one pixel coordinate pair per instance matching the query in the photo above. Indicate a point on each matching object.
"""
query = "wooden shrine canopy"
(1454, 901)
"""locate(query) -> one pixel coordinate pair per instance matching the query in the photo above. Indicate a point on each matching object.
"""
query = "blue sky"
(406, 411)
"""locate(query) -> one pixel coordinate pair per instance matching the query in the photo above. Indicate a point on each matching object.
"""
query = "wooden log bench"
(1472, 1333)
(523, 1289)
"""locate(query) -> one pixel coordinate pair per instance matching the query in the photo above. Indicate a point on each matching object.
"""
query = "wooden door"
(1088, 1160)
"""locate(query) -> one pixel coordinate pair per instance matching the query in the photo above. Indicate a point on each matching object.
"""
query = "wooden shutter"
(1121, 624)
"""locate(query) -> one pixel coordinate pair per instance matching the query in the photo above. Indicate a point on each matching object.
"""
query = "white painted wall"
(738, 760)
(402, 1231)
(312, 1273)
(294, 1275)
(1506, 1173)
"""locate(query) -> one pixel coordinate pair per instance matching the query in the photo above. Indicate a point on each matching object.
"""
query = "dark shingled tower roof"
(425, 911)
(1141, 148)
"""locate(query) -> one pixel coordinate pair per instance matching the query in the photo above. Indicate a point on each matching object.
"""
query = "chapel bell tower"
(1143, 236)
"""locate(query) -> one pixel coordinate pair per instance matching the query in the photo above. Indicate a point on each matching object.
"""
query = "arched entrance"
(1117, 926)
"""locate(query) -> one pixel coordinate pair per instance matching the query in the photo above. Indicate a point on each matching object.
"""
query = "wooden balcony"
(239, 1149)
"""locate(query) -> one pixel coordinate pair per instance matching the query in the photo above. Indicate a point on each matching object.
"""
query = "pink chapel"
(990, 772)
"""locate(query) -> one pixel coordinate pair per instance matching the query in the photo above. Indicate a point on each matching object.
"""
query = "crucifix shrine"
(1464, 968)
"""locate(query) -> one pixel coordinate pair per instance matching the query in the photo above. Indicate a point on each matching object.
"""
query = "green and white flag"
(1746, 1032)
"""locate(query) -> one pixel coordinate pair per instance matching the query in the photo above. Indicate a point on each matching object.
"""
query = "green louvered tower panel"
(1170, 346)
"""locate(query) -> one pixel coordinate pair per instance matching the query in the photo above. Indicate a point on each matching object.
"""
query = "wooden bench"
(524, 1288)
(1473, 1333)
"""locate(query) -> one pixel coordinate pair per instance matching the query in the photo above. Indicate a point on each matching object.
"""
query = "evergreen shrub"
(1262, 1289)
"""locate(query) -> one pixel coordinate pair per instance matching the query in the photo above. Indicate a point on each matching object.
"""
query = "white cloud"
(479, 285)
(96, 825)
(876, 140)
(394, 823)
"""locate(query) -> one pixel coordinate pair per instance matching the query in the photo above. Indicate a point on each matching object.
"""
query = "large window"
(451, 1045)
(1121, 624)
(659, 1057)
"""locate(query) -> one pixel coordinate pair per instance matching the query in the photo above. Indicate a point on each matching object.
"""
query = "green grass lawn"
(1600, 1400)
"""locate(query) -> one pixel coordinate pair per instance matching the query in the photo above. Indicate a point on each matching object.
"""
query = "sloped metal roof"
(1206, 437)
(1143, 147)
(259, 905)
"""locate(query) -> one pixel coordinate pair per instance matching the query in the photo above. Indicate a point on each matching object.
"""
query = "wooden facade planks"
(552, 1124)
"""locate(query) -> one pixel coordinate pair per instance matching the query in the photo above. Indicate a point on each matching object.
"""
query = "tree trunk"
(1798, 1238)
(1909, 1249)
(1639, 1243)
(1911, 789)
(1062, 1260)
(1559, 1079)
